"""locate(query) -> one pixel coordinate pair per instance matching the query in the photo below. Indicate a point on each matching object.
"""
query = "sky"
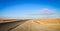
(29, 8)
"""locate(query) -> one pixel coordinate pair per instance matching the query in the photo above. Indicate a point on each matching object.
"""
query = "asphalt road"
(10, 25)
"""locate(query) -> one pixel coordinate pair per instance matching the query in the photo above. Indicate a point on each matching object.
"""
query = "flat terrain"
(8, 24)
(9, 20)
(48, 21)
(41, 24)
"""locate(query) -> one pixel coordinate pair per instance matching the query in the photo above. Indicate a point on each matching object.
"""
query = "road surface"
(6, 26)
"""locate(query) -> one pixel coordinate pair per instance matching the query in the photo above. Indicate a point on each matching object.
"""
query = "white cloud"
(44, 11)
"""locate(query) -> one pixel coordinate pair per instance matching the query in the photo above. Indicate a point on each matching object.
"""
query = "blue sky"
(29, 8)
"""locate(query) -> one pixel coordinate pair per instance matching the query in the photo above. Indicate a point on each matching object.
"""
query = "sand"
(39, 25)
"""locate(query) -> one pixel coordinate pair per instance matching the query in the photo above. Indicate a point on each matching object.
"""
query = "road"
(10, 25)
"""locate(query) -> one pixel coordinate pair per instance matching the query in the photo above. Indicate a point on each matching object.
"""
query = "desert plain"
(39, 24)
